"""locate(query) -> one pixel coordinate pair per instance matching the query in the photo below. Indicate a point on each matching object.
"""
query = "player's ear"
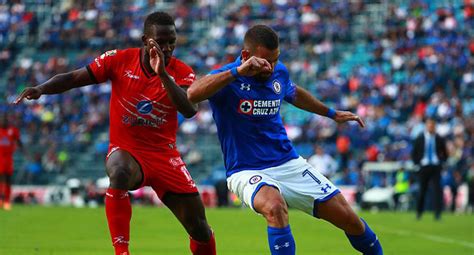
(245, 54)
(145, 40)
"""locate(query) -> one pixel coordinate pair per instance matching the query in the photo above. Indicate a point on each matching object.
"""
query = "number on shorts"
(307, 172)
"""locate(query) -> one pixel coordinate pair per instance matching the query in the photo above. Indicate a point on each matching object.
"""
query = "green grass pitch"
(58, 230)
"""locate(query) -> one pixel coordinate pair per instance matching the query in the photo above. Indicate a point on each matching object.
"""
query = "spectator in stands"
(401, 187)
(323, 162)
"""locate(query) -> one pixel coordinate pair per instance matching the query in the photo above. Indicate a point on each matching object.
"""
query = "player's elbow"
(193, 95)
(190, 113)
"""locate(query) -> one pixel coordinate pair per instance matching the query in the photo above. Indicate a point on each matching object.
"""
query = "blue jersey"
(247, 115)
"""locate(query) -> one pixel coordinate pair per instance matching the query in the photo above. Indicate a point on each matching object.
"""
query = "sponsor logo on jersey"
(245, 106)
(245, 86)
(129, 74)
(131, 120)
(144, 107)
(190, 77)
(259, 107)
(143, 112)
(254, 179)
(276, 86)
(110, 53)
(177, 161)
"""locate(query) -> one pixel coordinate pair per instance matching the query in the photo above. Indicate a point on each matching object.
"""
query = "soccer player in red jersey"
(9, 139)
(148, 88)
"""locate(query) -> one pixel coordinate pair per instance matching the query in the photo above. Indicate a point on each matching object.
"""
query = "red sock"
(119, 212)
(200, 248)
(8, 191)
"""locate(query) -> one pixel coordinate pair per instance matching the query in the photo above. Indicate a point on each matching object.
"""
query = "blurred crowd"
(421, 63)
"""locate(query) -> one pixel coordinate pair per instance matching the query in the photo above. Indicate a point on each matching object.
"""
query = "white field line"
(430, 237)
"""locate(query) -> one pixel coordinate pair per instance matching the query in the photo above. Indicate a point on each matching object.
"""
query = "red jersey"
(8, 139)
(142, 116)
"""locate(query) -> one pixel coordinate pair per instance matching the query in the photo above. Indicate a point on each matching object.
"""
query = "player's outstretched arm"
(176, 94)
(57, 84)
(209, 85)
(304, 100)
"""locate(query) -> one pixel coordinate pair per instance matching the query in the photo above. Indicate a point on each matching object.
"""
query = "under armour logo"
(376, 239)
(285, 245)
(325, 189)
(245, 86)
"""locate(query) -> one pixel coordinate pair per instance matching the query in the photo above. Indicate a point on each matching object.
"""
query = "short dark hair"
(261, 35)
(157, 18)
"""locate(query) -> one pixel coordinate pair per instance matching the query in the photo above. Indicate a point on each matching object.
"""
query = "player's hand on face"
(344, 116)
(31, 93)
(253, 66)
(157, 58)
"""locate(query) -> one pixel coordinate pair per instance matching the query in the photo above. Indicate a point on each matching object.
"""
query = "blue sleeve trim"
(259, 186)
(331, 113)
(234, 72)
(320, 200)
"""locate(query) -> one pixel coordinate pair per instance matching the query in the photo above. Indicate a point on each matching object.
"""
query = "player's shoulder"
(225, 67)
(181, 66)
(281, 68)
(120, 53)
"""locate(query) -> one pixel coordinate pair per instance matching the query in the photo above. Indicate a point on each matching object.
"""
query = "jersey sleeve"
(186, 76)
(16, 134)
(290, 87)
(219, 94)
(101, 68)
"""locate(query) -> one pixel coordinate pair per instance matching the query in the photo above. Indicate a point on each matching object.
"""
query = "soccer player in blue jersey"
(263, 168)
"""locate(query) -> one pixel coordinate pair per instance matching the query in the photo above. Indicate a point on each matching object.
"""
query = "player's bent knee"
(276, 212)
(119, 176)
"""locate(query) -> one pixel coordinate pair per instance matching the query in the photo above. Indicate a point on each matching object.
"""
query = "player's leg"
(337, 211)
(7, 191)
(270, 203)
(189, 210)
(2, 189)
(124, 173)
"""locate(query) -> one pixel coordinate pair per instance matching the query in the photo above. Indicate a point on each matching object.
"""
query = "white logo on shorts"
(254, 179)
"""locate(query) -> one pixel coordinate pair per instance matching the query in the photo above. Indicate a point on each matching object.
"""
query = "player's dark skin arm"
(57, 84)
(304, 100)
(176, 94)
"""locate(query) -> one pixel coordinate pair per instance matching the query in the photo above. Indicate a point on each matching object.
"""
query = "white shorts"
(300, 184)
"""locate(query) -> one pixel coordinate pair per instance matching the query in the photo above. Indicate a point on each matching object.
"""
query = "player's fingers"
(152, 43)
(20, 97)
(361, 122)
(358, 119)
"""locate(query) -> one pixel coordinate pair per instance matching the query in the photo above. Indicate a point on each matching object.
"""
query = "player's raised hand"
(157, 58)
(31, 93)
(253, 66)
(344, 116)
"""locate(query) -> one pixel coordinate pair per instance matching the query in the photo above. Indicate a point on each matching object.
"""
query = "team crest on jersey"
(110, 53)
(254, 179)
(145, 107)
(276, 86)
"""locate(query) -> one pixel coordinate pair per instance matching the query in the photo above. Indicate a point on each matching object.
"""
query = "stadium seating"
(338, 50)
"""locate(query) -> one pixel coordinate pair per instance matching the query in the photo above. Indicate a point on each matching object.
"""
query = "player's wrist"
(235, 72)
(331, 113)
